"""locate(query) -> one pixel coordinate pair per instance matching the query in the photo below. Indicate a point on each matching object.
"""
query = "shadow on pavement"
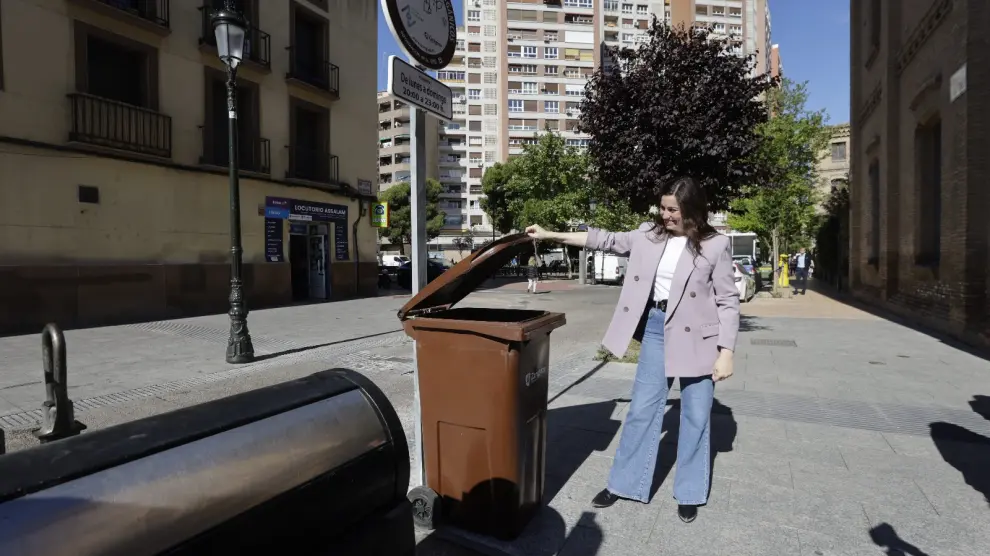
(318, 346)
(885, 537)
(749, 324)
(574, 433)
(545, 535)
(847, 298)
(967, 451)
(723, 434)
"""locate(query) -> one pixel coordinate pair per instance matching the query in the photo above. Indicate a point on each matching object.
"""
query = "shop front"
(313, 227)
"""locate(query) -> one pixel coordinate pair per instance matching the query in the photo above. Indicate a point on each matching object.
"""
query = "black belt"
(654, 304)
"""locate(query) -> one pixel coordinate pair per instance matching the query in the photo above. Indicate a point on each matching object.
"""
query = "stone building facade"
(920, 239)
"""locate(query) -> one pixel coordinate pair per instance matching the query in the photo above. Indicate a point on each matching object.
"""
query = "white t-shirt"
(668, 264)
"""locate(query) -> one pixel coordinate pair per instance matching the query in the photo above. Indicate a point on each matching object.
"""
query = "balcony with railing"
(150, 14)
(312, 165)
(313, 71)
(253, 153)
(257, 43)
(117, 125)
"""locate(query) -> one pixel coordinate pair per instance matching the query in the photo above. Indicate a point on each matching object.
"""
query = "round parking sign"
(425, 29)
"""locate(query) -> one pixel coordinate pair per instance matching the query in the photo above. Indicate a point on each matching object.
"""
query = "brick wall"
(902, 85)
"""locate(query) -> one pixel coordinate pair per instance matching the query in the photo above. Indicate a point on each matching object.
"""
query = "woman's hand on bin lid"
(537, 232)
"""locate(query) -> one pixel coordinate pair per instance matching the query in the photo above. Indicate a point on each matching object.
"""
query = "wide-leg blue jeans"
(636, 458)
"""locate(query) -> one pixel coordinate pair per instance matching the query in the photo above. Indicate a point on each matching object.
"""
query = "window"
(718, 10)
(117, 94)
(474, 125)
(874, 239)
(578, 3)
(448, 75)
(627, 8)
(580, 143)
(308, 59)
(838, 152)
(701, 9)
(735, 12)
(642, 10)
(252, 151)
(474, 15)
(309, 143)
(530, 88)
(928, 154)
(551, 70)
(476, 220)
(551, 106)
(474, 94)
(491, 110)
(515, 105)
(876, 13)
(529, 52)
(521, 15)
(490, 15)
(574, 90)
(1, 48)
(550, 53)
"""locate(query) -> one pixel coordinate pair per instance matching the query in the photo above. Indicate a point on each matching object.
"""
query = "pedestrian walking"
(802, 263)
(533, 272)
(680, 287)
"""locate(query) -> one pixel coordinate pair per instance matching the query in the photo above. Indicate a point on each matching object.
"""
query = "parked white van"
(607, 268)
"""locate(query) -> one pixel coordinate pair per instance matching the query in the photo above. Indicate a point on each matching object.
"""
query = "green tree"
(681, 104)
(399, 229)
(782, 208)
(549, 184)
(495, 202)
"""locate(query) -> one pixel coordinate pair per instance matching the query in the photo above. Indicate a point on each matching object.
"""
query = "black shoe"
(604, 499)
(687, 513)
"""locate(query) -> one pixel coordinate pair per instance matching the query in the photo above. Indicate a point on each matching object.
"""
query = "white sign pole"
(427, 32)
(417, 199)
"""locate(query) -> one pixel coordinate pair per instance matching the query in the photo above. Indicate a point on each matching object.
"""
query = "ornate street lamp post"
(229, 26)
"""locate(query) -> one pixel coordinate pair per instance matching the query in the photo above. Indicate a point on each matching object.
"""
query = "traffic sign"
(419, 89)
(425, 29)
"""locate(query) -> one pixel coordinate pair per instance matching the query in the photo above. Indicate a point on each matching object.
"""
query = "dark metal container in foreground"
(318, 465)
(483, 384)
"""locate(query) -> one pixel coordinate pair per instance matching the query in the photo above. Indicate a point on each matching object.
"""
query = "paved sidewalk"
(837, 437)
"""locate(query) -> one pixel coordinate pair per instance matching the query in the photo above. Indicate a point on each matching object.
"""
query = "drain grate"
(775, 343)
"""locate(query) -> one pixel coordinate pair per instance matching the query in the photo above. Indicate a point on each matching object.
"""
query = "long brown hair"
(694, 211)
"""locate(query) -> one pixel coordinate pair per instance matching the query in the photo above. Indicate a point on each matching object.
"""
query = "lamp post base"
(240, 350)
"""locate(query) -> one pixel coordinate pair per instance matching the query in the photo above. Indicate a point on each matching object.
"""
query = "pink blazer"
(703, 309)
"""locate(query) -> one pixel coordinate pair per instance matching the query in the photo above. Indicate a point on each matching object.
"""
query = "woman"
(532, 272)
(680, 287)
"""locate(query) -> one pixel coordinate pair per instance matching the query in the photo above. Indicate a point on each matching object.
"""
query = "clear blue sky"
(814, 46)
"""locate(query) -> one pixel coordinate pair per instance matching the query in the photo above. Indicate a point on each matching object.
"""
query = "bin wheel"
(426, 507)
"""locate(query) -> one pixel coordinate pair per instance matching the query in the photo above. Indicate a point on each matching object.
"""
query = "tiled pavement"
(861, 437)
(841, 433)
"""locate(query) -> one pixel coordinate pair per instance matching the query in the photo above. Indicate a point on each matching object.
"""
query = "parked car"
(392, 262)
(403, 275)
(744, 282)
(747, 262)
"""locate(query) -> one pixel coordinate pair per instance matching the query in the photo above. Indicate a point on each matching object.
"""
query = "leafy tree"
(464, 243)
(495, 202)
(548, 184)
(399, 229)
(782, 208)
(680, 105)
(832, 237)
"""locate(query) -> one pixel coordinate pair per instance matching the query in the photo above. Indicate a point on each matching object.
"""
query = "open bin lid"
(463, 278)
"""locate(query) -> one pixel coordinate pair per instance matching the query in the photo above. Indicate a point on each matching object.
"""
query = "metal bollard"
(58, 417)
(3, 443)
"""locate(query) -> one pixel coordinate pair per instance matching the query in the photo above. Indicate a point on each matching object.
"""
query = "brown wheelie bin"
(483, 382)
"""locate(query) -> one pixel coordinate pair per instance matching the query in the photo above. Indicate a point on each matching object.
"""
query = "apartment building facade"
(919, 235)
(522, 67)
(115, 195)
(833, 166)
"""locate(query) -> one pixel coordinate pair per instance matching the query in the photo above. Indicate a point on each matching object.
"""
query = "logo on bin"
(533, 377)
